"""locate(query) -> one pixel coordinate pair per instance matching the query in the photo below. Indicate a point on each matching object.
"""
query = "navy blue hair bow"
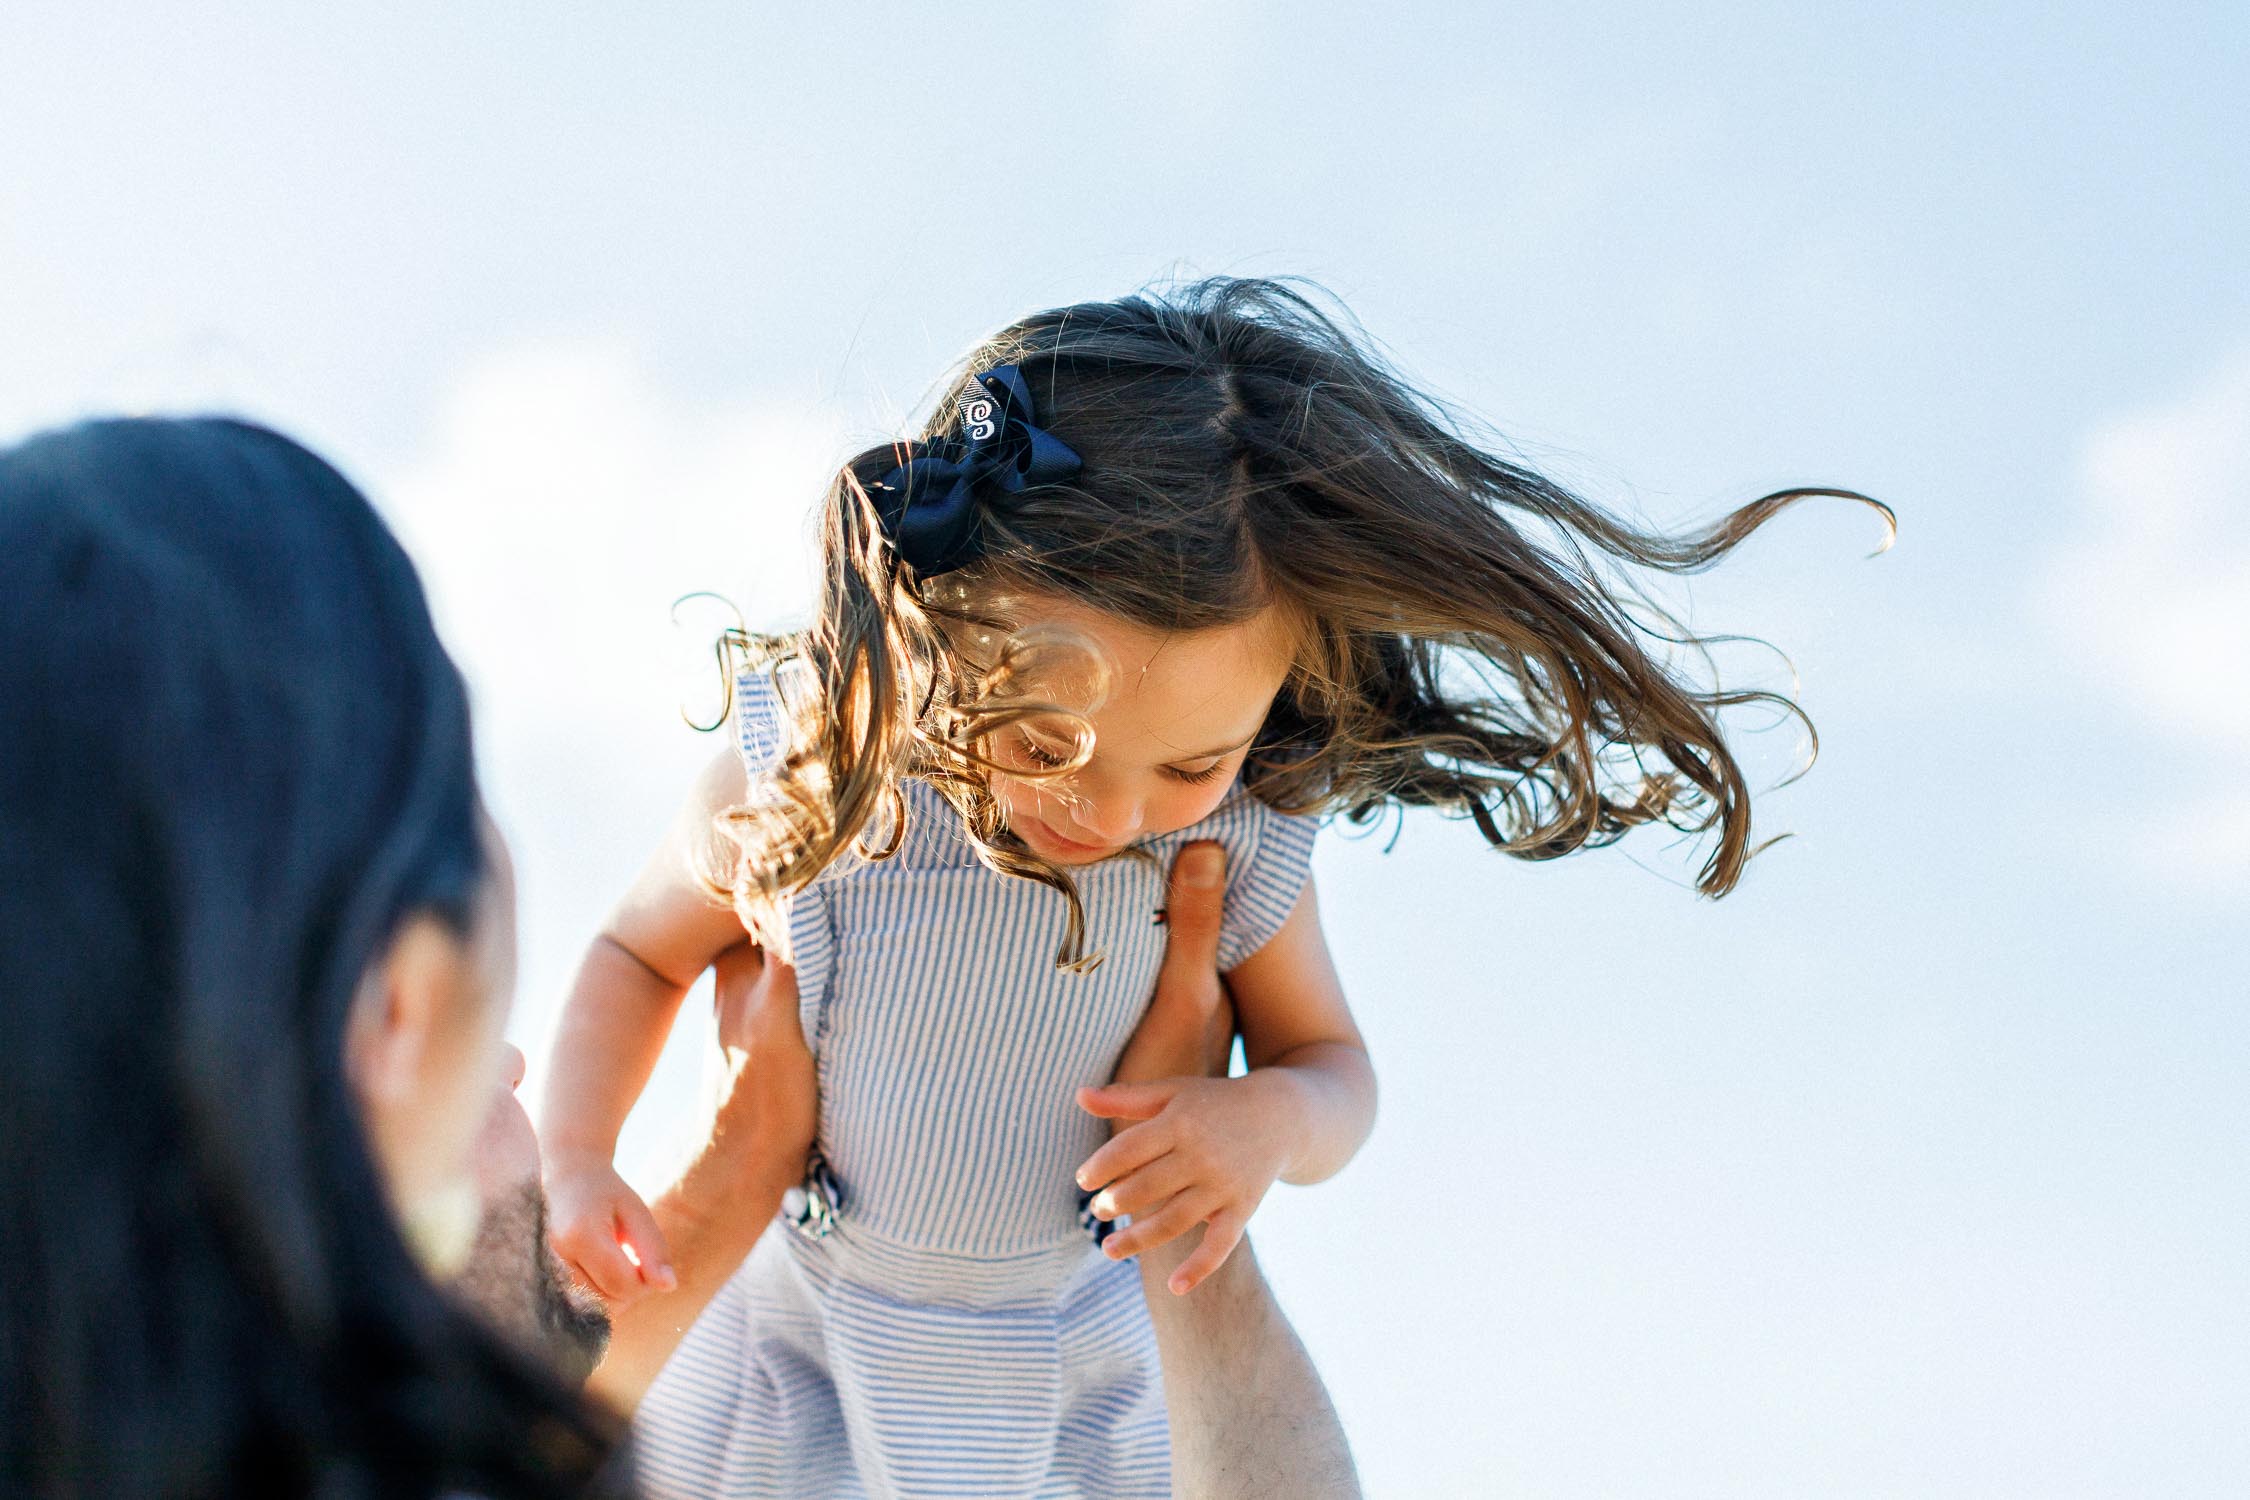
(928, 503)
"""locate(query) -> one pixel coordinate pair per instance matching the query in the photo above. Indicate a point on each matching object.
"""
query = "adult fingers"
(1220, 1235)
(735, 972)
(1218, 1038)
(1189, 1027)
(1127, 1151)
(1167, 1223)
(754, 996)
(777, 1027)
(774, 1016)
(1193, 902)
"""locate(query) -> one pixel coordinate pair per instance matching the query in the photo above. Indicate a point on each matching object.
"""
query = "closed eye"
(1040, 755)
(1208, 773)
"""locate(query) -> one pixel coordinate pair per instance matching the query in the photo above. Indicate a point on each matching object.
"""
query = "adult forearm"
(1333, 1090)
(1250, 1418)
(753, 1151)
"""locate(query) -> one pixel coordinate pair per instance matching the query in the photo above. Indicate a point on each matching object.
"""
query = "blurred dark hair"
(233, 759)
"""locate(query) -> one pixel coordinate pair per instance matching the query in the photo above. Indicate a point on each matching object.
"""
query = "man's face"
(512, 1278)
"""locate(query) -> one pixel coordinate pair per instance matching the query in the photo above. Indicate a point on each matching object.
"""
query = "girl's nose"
(512, 1065)
(1107, 820)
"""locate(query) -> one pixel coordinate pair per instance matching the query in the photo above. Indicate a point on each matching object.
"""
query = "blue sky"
(1913, 1168)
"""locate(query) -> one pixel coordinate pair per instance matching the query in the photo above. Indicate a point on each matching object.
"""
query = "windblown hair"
(234, 759)
(1457, 647)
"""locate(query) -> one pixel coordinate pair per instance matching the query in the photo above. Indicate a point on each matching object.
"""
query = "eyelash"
(1040, 756)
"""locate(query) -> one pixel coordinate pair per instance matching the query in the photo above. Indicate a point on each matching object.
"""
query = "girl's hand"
(603, 1231)
(1205, 1152)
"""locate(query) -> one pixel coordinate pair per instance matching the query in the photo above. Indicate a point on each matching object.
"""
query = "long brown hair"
(1458, 647)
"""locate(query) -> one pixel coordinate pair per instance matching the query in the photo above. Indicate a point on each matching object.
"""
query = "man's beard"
(515, 1283)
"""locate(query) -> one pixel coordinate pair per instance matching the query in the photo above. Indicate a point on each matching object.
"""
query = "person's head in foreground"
(1205, 533)
(255, 949)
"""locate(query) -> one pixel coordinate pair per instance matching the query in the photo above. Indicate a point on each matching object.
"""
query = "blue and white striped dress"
(958, 1333)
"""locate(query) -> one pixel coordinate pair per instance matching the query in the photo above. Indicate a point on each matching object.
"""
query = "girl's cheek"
(1027, 799)
(1192, 804)
(1015, 798)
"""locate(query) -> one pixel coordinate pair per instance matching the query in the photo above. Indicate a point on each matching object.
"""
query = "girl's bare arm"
(754, 1143)
(1206, 1150)
(1297, 1028)
(658, 941)
(666, 931)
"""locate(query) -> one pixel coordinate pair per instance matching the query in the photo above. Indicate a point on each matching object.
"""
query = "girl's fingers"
(1166, 1224)
(1128, 1151)
(600, 1263)
(1128, 1101)
(642, 1243)
(1138, 1192)
(1220, 1235)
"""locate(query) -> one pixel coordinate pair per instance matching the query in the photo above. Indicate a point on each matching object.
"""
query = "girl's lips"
(1067, 845)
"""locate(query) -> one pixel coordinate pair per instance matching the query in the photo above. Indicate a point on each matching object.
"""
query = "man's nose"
(512, 1065)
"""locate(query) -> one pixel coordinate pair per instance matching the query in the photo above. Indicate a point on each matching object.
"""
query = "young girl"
(1183, 567)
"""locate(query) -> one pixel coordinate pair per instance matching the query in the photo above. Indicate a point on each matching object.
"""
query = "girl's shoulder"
(762, 720)
(1261, 832)
(759, 716)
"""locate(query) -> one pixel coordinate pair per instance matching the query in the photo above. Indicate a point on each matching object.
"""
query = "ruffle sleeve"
(1264, 883)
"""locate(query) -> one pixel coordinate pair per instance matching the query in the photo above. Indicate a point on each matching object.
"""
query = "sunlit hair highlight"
(1458, 646)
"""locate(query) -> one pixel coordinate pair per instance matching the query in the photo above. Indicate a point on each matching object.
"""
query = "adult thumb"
(1193, 903)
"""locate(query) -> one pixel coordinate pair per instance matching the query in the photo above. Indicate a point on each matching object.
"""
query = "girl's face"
(1169, 739)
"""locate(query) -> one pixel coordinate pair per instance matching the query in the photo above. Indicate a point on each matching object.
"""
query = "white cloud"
(2153, 592)
(562, 504)
(563, 501)
(2209, 835)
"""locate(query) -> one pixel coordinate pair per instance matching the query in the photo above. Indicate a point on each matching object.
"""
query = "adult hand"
(1249, 1415)
(1189, 1028)
(769, 1097)
(759, 1130)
